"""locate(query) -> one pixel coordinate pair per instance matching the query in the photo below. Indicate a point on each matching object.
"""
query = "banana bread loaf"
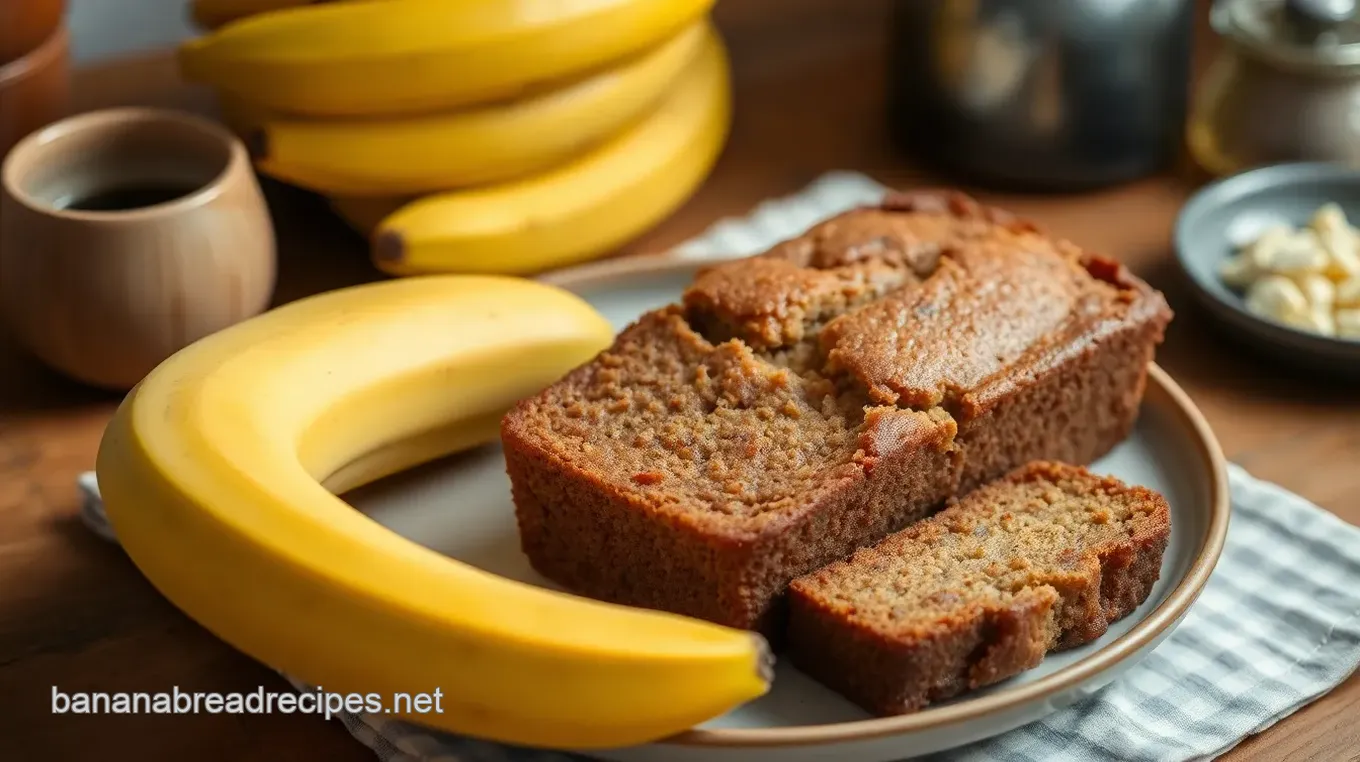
(806, 402)
(1043, 559)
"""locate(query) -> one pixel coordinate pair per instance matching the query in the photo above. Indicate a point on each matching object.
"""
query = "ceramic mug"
(126, 235)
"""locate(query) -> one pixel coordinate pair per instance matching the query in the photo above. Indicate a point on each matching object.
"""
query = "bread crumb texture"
(1045, 558)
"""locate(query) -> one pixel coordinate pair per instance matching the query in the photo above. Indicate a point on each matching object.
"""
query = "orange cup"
(34, 89)
(26, 24)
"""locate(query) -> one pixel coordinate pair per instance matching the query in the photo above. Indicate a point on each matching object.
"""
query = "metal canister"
(1042, 94)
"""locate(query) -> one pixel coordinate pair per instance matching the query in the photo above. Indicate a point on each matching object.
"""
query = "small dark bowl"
(1229, 213)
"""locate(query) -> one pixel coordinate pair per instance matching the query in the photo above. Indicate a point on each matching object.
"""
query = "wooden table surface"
(75, 614)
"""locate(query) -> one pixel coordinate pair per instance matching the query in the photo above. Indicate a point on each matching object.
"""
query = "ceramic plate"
(462, 507)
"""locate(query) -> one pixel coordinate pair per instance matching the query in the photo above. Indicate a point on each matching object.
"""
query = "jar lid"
(1310, 33)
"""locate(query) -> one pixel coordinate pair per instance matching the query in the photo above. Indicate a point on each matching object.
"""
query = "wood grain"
(74, 612)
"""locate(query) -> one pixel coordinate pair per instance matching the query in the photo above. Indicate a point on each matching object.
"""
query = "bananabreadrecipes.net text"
(260, 701)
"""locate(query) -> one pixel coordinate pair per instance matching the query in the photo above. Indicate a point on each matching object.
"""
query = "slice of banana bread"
(675, 474)
(1043, 559)
(806, 402)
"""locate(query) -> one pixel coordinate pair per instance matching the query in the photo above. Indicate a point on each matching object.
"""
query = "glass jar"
(1284, 87)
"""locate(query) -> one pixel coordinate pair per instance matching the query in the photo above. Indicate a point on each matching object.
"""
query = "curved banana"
(412, 56)
(212, 474)
(491, 144)
(579, 211)
(365, 213)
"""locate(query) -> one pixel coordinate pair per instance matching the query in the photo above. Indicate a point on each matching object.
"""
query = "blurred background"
(107, 28)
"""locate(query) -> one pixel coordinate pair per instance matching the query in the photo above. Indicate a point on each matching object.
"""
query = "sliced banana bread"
(1043, 559)
(804, 403)
(675, 474)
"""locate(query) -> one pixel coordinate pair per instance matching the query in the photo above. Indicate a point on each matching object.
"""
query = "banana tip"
(388, 247)
(189, 47)
(186, 57)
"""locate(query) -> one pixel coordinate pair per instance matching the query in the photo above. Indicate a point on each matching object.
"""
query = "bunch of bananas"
(480, 136)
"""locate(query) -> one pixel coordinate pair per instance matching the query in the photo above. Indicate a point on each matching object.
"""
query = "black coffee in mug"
(125, 198)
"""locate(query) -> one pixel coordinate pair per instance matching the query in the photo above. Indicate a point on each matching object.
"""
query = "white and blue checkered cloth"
(1277, 626)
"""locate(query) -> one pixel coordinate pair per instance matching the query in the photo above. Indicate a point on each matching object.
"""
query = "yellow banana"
(412, 56)
(212, 473)
(214, 14)
(364, 213)
(578, 211)
(409, 155)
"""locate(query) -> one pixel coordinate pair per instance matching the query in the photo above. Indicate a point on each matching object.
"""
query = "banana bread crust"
(808, 401)
(1043, 559)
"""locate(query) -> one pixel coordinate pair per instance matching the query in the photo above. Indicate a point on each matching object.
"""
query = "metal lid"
(1307, 33)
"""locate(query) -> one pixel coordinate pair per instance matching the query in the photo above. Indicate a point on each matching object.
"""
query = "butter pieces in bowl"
(1307, 278)
(1272, 256)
